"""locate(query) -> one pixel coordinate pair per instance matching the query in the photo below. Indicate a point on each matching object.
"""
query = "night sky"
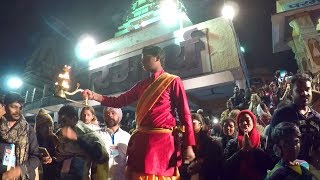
(24, 22)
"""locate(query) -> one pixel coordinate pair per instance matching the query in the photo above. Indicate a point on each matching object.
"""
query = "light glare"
(215, 120)
(143, 23)
(85, 48)
(228, 12)
(242, 49)
(14, 83)
(169, 12)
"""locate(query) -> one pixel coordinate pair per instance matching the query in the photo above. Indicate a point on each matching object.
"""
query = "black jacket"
(308, 126)
(249, 165)
(33, 159)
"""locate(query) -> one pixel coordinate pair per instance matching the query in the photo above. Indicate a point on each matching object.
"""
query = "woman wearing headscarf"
(46, 139)
(245, 158)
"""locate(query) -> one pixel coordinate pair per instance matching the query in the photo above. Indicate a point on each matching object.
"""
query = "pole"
(32, 96)
(44, 92)
(26, 97)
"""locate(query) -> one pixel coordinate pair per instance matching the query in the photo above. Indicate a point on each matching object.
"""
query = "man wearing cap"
(152, 151)
(117, 142)
(14, 129)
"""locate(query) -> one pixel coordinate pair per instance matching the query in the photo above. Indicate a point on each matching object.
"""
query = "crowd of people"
(80, 149)
(270, 132)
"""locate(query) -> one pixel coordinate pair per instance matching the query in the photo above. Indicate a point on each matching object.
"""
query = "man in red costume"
(152, 151)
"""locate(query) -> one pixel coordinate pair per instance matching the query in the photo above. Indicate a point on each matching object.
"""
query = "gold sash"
(151, 95)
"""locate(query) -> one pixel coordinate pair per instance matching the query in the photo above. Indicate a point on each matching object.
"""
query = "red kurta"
(155, 153)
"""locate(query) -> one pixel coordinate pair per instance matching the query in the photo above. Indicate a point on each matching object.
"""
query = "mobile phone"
(44, 152)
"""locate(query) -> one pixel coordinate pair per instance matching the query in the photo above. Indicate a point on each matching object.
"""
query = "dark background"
(24, 22)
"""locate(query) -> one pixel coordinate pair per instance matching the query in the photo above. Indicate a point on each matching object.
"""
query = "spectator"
(285, 95)
(229, 131)
(263, 114)
(88, 117)
(78, 146)
(264, 96)
(274, 97)
(234, 113)
(300, 113)
(46, 139)
(244, 153)
(254, 102)
(117, 143)
(287, 146)
(244, 104)
(14, 129)
(209, 154)
(237, 98)
(216, 130)
(315, 103)
(226, 112)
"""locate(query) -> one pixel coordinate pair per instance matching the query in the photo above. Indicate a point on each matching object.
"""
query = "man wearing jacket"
(300, 113)
(14, 129)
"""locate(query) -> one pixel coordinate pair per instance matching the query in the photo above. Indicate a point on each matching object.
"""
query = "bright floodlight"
(14, 83)
(228, 12)
(86, 48)
(169, 12)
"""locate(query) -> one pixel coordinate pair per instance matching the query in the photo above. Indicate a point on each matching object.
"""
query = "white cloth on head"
(117, 110)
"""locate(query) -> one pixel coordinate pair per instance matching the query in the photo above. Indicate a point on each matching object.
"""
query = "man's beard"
(10, 117)
(111, 123)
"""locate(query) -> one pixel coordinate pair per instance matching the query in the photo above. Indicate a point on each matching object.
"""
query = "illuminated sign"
(299, 4)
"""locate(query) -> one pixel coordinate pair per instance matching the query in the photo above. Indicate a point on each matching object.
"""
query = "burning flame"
(64, 78)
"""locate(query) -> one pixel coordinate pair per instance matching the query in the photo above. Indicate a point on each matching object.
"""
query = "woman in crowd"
(263, 114)
(254, 102)
(229, 131)
(209, 154)
(274, 97)
(88, 116)
(264, 96)
(244, 155)
(47, 140)
(233, 114)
